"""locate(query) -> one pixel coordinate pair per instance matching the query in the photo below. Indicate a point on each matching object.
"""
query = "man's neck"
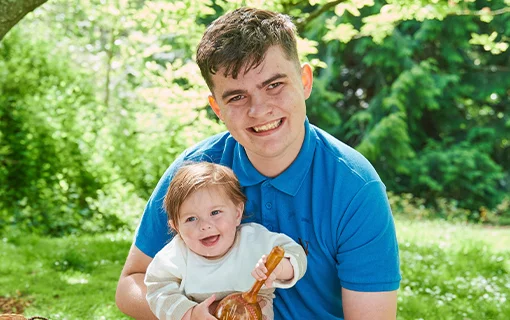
(270, 167)
(273, 166)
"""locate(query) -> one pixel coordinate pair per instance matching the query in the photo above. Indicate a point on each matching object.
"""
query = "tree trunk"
(12, 11)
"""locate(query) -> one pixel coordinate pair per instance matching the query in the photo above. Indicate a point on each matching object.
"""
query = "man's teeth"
(268, 126)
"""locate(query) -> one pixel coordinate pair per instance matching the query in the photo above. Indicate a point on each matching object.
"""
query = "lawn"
(449, 272)
(67, 278)
(453, 271)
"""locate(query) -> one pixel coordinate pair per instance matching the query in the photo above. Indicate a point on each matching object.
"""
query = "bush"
(47, 128)
(415, 208)
(463, 172)
(70, 165)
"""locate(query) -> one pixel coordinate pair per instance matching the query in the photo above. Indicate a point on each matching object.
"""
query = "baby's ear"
(239, 213)
(172, 225)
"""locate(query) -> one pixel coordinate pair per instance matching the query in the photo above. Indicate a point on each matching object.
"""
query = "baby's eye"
(191, 219)
(215, 212)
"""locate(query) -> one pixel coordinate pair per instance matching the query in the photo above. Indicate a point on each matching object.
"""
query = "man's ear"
(215, 107)
(239, 213)
(307, 79)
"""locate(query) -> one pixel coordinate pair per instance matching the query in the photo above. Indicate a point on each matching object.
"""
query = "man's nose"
(259, 106)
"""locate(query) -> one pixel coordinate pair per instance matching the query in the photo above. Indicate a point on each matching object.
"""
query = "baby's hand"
(260, 270)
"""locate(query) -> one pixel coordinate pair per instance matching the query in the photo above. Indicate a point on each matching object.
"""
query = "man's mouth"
(210, 241)
(268, 126)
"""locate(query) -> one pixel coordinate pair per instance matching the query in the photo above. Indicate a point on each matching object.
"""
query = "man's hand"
(213, 306)
(201, 311)
(263, 306)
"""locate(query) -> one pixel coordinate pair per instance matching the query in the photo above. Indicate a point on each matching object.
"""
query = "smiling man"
(298, 179)
(264, 109)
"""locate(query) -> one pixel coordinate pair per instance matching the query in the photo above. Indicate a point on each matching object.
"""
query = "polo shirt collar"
(288, 181)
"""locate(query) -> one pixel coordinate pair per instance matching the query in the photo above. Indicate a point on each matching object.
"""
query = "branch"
(483, 12)
(11, 12)
(301, 23)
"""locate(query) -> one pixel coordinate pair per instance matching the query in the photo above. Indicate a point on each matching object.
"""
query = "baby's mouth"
(210, 241)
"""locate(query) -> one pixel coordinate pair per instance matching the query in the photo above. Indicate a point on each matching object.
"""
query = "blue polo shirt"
(330, 200)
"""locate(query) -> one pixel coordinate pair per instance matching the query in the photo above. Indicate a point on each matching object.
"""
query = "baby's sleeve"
(163, 279)
(297, 256)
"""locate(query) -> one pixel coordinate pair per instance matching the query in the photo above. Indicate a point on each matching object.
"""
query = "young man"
(298, 179)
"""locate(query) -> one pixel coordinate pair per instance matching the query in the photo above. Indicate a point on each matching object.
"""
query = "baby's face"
(208, 221)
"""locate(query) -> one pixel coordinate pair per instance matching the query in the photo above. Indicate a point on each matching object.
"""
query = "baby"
(212, 253)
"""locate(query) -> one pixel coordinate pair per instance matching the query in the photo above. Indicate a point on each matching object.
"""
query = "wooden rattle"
(244, 306)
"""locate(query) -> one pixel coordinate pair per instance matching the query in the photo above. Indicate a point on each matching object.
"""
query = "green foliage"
(413, 90)
(151, 94)
(46, 110)
(408, 206)
(95, 139)
(463, 172)
(391, 130)
(501, 213)
(97, 99)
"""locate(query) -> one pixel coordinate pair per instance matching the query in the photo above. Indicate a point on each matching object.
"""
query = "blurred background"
(98, 97)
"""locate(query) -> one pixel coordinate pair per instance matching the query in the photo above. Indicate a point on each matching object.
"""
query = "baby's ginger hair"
(191, 177)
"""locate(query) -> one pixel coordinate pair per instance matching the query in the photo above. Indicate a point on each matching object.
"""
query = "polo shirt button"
(270, 227)
(269, 205)
(265, 184)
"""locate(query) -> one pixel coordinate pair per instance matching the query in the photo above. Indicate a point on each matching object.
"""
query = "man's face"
(265, 109)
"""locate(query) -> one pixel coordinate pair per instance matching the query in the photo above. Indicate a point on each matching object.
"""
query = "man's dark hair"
(241, 38)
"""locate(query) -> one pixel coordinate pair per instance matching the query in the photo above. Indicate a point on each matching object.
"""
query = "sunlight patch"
(75, 278)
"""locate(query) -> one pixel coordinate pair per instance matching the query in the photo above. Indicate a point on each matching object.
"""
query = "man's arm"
(369, 305)
(131, 290)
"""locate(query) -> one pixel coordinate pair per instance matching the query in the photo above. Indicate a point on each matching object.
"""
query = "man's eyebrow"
(229, 93)
(273, 78)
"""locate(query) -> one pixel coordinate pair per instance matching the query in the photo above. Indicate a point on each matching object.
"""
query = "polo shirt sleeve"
(367, 253)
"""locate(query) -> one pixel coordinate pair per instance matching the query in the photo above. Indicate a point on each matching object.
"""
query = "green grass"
(449, 272)
(452, 271)
(67, 278)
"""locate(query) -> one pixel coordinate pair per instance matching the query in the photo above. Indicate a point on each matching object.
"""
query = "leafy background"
(98, 97)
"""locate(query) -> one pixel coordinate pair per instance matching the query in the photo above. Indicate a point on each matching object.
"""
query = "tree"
(12, 11)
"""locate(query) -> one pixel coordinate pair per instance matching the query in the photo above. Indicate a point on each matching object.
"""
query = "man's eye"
(215, 212)
(236, 98)
(191, 219)
(274, 85)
